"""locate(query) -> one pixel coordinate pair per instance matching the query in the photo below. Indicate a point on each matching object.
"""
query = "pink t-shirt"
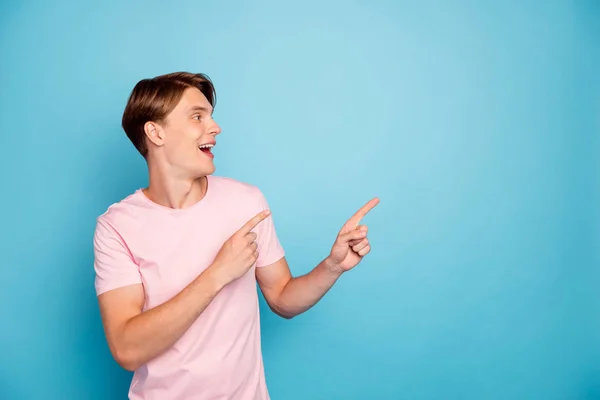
(139, 241)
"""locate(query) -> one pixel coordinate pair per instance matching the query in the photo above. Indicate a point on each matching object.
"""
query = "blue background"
(476, 123)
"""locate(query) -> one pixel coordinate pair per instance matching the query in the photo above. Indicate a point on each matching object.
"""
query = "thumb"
(354, 234)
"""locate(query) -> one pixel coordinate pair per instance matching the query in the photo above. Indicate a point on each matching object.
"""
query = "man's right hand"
(239, 252)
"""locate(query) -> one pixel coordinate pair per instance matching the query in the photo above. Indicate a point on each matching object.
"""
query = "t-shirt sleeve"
(113, 263)
(270, 249)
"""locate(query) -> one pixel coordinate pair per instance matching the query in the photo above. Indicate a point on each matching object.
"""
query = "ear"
(154, 133)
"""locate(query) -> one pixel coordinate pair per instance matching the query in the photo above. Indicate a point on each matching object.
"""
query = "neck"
(173, 191)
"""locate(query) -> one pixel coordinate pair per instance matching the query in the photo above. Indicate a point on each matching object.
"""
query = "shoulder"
(122, 212)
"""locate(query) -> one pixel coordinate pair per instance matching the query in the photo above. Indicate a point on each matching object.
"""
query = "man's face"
(187, 136)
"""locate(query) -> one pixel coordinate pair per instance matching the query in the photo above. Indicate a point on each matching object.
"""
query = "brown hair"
(153, 99)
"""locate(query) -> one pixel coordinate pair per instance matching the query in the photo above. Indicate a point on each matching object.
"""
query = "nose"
(215, 129)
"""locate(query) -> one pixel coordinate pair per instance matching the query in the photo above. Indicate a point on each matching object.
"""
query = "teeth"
(206, 146)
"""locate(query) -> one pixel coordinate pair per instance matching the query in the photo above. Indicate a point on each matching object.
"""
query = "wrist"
(216, 277)
(333, 267)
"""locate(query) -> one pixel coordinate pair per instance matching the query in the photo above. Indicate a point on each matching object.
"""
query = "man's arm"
(288, 296)
(135, 337)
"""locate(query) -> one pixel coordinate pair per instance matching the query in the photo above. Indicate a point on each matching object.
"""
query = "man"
(177, 262)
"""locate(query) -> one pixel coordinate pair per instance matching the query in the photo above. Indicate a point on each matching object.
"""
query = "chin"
(204, 171)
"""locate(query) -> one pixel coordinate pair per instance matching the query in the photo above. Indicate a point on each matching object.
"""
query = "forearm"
(303, 292)
(147, 335)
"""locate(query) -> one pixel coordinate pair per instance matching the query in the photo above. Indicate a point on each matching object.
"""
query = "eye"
(197, 117)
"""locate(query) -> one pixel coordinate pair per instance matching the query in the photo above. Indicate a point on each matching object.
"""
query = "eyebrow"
(199, 108)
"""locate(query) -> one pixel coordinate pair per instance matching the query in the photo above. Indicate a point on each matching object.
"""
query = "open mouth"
(207, 149)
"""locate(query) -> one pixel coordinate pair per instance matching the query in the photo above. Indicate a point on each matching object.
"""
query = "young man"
(177, 262)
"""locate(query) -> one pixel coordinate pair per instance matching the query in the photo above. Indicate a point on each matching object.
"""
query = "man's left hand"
(351, 244)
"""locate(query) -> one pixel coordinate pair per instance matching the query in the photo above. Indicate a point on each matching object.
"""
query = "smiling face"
(182, 143)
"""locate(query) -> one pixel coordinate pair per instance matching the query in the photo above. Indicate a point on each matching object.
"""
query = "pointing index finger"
(248, 226)
(360, 214)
